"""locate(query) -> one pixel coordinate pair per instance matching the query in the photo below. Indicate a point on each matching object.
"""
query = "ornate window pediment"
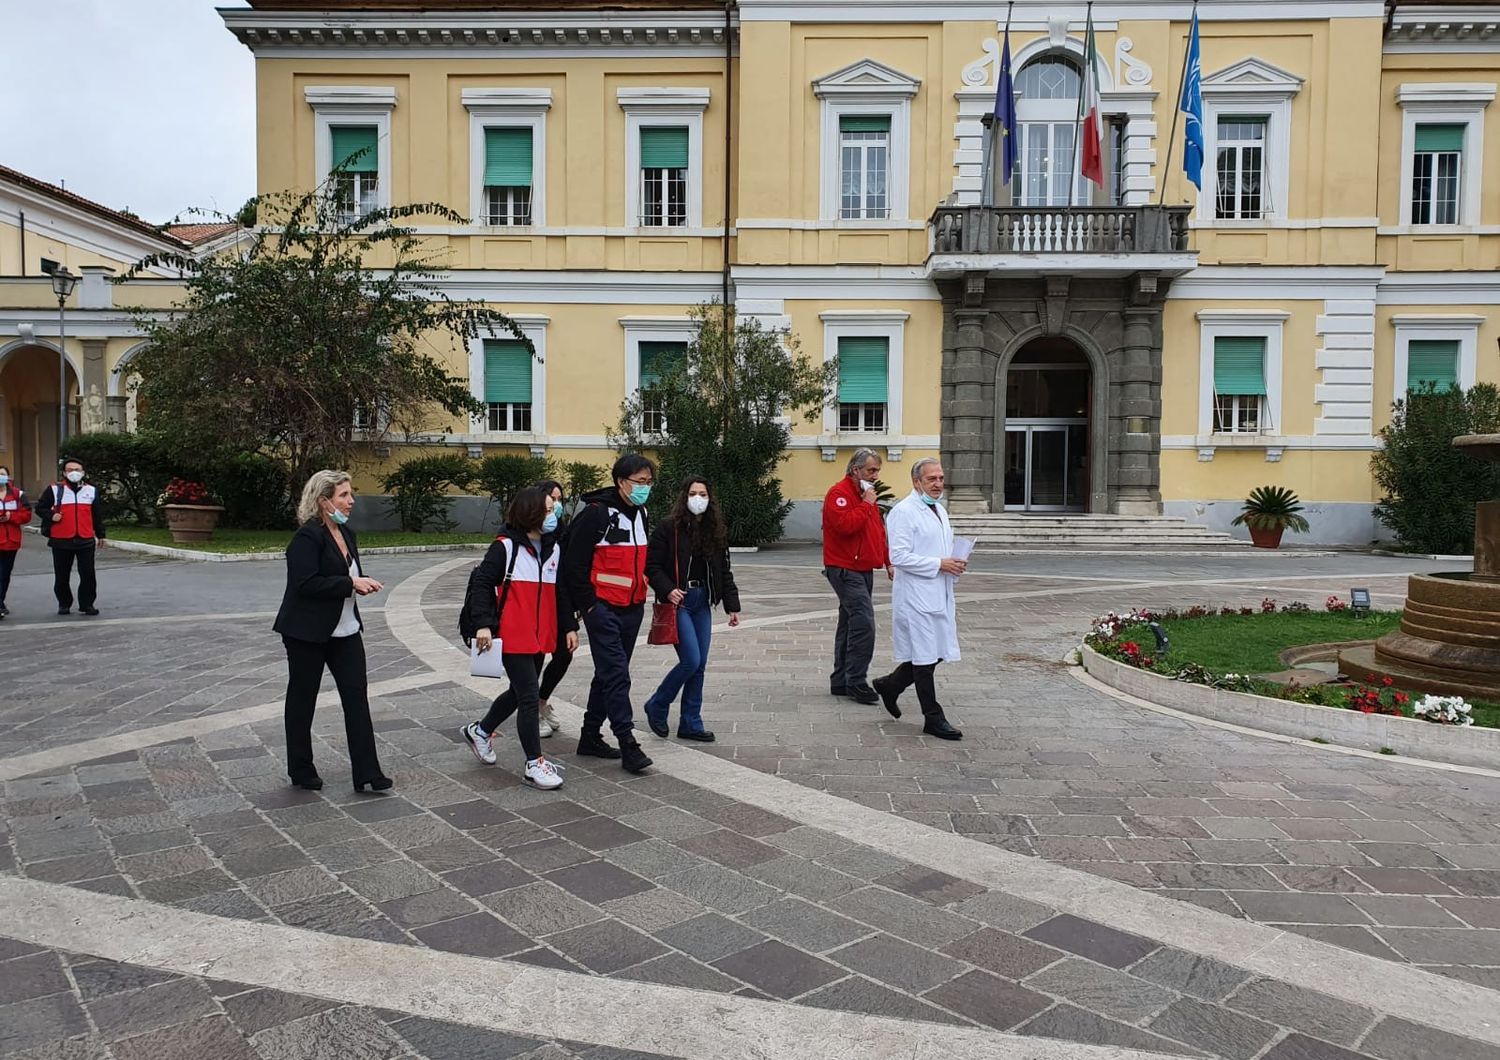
(1253, 75)
(867, 78)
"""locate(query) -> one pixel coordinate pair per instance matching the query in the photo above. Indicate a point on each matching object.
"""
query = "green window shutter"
(1440, 137)
(507, 157)
(659, 359)
(664, 147)
(864, 366)
(864, 123)
(1239, 365)
(349, 140)
(507, 372)
(1432, 361)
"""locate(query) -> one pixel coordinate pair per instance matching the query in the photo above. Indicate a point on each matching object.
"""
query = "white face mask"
(697, 505)
(74, 477)
(866, 485)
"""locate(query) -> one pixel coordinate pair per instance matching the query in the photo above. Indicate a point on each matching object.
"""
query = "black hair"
(65, 461)
(706, 532)
(550, 484)
(631, 464)
(528, 509)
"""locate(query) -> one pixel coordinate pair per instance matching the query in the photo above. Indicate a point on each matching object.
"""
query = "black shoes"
(591, 743)
(312, 783)
(938, 726)
(64, 610)
(378, 784)
(658, 727)
(888, 695)
(837, 690)
(632, 757)
(702, 736)
(88, 610)
(863, 694)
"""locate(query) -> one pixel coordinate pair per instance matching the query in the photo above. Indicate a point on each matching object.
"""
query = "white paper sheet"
(486, 663)
(963, 547)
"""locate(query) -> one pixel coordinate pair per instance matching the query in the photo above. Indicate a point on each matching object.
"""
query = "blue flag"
(1005, 114)
(1191, 104)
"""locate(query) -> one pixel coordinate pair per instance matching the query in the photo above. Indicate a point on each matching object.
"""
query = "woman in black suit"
(320, 625)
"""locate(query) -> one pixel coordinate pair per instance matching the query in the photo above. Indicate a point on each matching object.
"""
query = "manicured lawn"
(275, 540)
(1249, 644)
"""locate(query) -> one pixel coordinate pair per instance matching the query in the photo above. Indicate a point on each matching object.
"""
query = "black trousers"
(519, 699)
(345, 659)
(62, 573)
(612, 634)
(854, 636)
(552, 676)
(906, 675)
(7, 564)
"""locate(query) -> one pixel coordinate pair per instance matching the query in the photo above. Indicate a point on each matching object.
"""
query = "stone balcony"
(1042, 240)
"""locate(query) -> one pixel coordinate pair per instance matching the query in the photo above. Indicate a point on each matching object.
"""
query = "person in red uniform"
(529, 619)
(70, 517)
(15, 512)
(853, 549)
(605, 568)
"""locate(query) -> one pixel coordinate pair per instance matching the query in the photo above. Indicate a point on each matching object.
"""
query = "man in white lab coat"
(924, 623)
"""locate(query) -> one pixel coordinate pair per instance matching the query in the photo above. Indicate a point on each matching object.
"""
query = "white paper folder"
(486, 663)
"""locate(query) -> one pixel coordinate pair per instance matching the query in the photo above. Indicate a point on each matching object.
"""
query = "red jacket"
(531, 621)
(15, 513)
(853, 531)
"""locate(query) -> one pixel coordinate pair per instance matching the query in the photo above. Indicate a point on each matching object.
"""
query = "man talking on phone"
(853, 550)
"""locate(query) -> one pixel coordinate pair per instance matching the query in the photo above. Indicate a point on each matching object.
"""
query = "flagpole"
(1176, 110)
(1078, 118)
(996, 135)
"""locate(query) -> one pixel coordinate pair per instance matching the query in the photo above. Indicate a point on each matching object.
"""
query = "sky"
(146, 105)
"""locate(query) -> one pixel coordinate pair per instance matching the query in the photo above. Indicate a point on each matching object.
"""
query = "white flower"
(1446, 710)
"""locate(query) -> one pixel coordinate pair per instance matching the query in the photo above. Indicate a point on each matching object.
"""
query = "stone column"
(92, 388)
(967, 416)
(1135, 415)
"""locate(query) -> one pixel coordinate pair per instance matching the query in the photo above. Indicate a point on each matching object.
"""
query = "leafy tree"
(580, 477)
(726, 408)
(317, 319)
(504, 475)
(420, 490)
(128, 471)
(1431, 488)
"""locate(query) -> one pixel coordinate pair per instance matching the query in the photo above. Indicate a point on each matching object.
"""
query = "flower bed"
(1132, 638)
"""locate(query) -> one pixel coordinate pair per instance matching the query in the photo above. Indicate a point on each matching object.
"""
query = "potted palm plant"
(1269, 512)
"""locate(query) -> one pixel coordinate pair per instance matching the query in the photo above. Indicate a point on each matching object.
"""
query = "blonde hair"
(321, 485)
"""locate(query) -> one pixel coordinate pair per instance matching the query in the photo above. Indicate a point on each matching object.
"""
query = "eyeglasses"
(640, 481)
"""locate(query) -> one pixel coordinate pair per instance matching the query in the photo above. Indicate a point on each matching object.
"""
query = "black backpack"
(468, 619)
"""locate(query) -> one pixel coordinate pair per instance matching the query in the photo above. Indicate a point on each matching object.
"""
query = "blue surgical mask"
(929, 500)
(337, 516)
(639, 495)
(549, 524)
(4, 481)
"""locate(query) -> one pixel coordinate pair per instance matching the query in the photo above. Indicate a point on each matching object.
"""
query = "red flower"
(1387, 682)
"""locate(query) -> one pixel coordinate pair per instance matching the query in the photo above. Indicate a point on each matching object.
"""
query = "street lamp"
(63, 282)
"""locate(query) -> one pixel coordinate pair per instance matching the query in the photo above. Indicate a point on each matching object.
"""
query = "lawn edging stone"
(1468, 746)
(193, 555)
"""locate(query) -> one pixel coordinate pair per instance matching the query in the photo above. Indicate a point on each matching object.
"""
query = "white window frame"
(353, 105)
(1250, 88)
(1460, 327)
(651, 329)
(865, 88)
(534, 327)
(1241, 146)
(864, 146)
(645, 107)
(1446, 104)
(1266, 324)
(507, 108)
(888, 324)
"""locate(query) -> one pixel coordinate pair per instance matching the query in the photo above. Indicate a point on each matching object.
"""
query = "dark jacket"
(318, 581)
(489, 579)
(585, 533)
(47, 500)
(659, 568)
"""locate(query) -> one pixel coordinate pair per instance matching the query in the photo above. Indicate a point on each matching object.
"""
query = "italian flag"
(1092, 132)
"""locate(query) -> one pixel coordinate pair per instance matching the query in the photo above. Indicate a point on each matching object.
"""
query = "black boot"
(937, 725)
(889, 692)
(591, 742)
(633, 758)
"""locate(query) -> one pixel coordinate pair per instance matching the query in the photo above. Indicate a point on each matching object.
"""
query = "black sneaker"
(837, 690)
(592, 743)
(64, 610)
(888, 695)
(632, 757)
(88, 610)
(863, 694)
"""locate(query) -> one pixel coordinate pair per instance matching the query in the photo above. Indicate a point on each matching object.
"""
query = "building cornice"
(1033, 13)
(1443, 27)
(442, 34)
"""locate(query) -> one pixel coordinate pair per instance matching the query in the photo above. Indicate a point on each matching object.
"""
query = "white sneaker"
(542, 728)
(479, 742)
(545, 712)
(543, 774)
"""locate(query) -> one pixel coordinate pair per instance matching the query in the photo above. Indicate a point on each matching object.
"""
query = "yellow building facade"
(1144, 347)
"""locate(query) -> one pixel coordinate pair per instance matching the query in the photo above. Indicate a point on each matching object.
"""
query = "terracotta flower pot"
(192, 522)
(1267, 538)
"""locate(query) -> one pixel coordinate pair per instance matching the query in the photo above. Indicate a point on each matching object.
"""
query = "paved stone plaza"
(1081, 877)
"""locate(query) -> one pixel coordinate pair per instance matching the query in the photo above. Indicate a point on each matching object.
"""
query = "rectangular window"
(507, 385)
(1437, 167)
(1432, 361)
(1115, 132)
(664, 176)
(658, 360)
(507, 175)
(1239, 385)
(864, 373)
(356, 170)
(864, 166)
(1241, 168)
(363, 418)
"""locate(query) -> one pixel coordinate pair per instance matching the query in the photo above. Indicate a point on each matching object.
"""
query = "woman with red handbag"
(687, 564)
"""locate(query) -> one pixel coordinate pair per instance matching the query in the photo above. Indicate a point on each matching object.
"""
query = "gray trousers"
(854, 642)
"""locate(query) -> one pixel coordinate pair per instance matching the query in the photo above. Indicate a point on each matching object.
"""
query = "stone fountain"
(1449, 640)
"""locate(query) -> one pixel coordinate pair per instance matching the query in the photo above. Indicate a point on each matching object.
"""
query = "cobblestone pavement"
(683, 892)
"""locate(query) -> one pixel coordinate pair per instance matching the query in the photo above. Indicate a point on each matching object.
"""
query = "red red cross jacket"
(853, 531)
(607, 552)
(531, 619)
(15, 512)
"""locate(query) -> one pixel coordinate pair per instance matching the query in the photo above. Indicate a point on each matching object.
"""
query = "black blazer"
(663, 578)
(318, 581)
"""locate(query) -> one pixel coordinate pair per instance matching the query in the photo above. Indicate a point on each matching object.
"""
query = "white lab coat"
(924, 622)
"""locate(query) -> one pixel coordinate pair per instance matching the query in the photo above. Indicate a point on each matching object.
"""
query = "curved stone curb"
(195, 556)
(1306, 721)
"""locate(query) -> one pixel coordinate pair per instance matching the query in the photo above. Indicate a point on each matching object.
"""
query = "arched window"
(1047, 115)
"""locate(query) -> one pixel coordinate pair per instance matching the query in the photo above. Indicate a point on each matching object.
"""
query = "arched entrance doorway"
(1048, 396)
(28, 413)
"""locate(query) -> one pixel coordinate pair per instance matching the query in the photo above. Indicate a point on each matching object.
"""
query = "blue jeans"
(695, 617)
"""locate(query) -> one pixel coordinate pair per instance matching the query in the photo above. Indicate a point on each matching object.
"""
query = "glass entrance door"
(1046, 467)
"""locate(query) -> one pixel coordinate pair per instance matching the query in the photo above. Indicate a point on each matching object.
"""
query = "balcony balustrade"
(1000, 230)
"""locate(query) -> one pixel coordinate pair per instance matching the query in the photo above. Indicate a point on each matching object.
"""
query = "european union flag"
(1191, 104)
(1005, 114)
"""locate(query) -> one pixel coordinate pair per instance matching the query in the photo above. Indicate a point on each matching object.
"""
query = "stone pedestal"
(1487, 541)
